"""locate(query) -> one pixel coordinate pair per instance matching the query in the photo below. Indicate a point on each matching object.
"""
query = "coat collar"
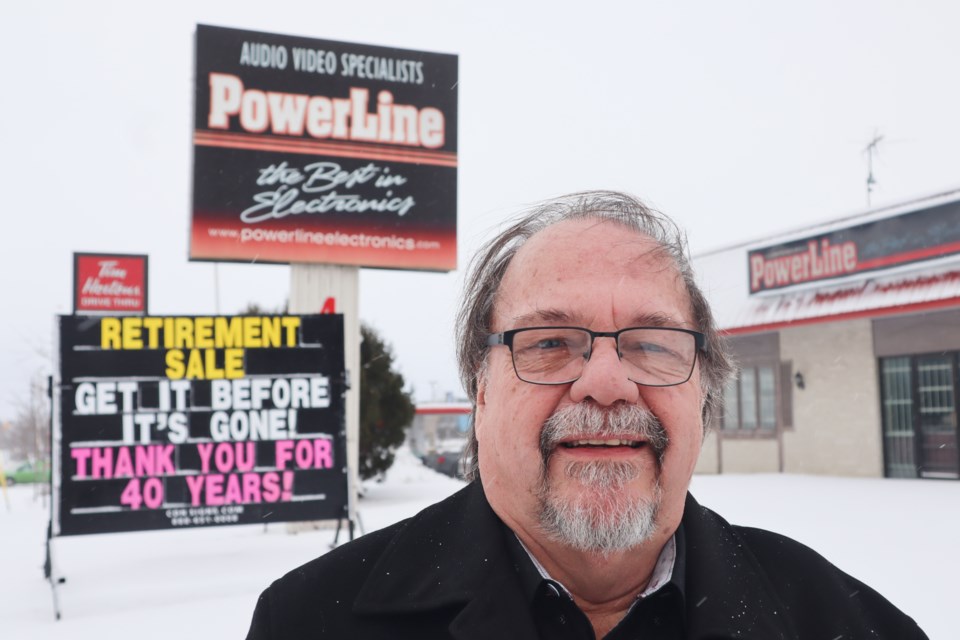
(453, 554)
(728, 594)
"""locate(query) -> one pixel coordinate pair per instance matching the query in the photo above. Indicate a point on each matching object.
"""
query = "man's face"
(604, 277)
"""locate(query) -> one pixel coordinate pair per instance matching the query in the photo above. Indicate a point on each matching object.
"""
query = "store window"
(920, 431)
(750, 401)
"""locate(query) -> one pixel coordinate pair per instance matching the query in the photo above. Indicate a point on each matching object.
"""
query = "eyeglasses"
(652, 356)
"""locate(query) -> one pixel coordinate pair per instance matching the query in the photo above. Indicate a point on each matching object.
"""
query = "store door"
(920, 416)
(937, 417)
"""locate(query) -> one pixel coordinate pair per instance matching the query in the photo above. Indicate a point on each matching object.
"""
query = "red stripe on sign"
(335, 149)
(410, 249)
(910, 256)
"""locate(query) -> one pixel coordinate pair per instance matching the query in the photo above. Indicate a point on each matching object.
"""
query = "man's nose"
(604, 379)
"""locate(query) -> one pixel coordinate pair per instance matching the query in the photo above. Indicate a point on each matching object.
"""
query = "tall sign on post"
(313, 151)
(328, 156)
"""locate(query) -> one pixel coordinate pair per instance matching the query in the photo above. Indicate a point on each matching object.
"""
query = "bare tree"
(27, 436)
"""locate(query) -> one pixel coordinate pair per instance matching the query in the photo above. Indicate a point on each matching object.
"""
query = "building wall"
(750, 455)
(931, 332)
(836, 417)
(753, 450)
(708, 462)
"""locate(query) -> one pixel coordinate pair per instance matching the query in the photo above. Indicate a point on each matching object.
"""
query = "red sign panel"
(109, 283)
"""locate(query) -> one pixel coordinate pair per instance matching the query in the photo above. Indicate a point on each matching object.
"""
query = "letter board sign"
(180, 421)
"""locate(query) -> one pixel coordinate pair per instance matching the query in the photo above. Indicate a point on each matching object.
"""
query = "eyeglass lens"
(654, 357)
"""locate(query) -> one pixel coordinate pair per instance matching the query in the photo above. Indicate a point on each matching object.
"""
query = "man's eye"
(551, 343)
(650, 348)
(653, 347)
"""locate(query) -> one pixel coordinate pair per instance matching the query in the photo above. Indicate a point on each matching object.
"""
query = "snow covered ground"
(901, 537)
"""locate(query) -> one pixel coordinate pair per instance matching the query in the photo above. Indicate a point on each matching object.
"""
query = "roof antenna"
(871, 150)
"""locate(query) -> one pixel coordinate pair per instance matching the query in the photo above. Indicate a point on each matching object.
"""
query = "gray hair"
(486, 270)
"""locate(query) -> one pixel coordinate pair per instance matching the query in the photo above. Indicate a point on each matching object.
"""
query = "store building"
(439, 427)
(848, 336)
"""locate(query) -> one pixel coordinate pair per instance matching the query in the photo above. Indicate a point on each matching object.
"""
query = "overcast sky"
(737, 118)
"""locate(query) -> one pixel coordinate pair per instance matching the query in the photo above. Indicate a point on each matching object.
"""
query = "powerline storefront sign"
(910, 237)
(168, 422)
(327, 152)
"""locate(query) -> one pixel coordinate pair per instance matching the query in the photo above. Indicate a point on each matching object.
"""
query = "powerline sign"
(316, 151)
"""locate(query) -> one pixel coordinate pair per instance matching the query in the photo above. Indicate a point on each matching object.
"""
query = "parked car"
(445, 461)
(29, 472)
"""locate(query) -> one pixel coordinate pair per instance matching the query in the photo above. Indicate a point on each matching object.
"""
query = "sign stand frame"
(49, 565)
(350, 526)
(50, 573)
(351, 511)
(54, 524)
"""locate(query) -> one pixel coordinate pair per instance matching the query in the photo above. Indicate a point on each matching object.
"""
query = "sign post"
(312, 288)
(328, 156)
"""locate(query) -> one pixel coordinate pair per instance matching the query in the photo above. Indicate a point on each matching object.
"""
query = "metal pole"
(50, 573)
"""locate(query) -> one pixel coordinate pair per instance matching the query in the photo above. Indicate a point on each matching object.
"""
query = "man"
(594, 364)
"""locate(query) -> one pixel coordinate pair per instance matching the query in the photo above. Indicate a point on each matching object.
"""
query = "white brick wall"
(708, 461)
(837, 416)
(750, 455)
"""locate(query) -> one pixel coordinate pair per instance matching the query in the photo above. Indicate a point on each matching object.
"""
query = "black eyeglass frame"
(506, 338)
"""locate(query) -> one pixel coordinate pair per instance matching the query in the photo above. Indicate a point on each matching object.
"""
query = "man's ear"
(481, 403)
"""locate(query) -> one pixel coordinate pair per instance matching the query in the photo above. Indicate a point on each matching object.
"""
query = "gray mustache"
(625, 421)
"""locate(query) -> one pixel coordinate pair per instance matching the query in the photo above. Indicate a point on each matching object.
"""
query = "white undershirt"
(662, 571)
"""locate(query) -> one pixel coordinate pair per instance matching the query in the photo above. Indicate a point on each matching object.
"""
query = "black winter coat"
(446, 573)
